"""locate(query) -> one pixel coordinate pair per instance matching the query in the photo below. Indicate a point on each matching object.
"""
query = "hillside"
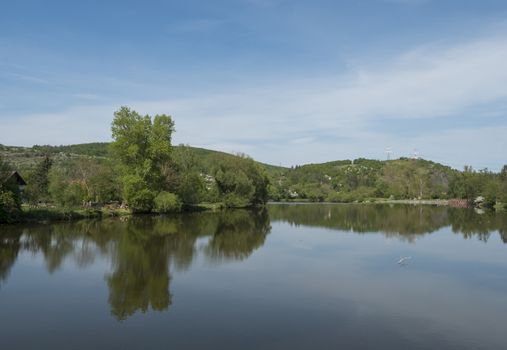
(25, 158)
(350, 180)
(342, 181)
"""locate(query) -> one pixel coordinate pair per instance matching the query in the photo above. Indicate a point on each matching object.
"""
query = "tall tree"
(241, 182)
(10, 201)
(142, 145)
(38, 183)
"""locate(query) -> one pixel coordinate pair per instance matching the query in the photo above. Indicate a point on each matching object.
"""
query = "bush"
(360, 194)
(234, 200)
(190, 188)
(10, 207)
(137, 194)
(74, 195)
(167, 202)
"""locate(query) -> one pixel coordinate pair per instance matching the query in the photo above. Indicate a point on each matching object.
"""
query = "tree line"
(404, 178)
(143, 172)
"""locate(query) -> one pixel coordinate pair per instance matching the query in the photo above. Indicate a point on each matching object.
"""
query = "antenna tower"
(389, 152)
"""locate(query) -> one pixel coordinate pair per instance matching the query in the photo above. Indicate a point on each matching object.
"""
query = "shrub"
(167, 202)
(10, 208)
(137, 194)
(74, 195)
(190, 188)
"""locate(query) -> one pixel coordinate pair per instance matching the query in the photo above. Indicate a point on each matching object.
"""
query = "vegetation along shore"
(142, 172)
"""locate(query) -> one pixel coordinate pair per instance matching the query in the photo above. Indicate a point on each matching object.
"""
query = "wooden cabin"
(16, 179)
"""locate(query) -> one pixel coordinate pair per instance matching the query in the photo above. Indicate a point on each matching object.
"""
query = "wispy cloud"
(321, 119)
(23, 77)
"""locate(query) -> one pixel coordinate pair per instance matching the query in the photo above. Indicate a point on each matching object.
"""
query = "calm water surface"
(289, 277)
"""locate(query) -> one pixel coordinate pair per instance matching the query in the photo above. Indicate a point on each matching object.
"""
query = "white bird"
(403, 259)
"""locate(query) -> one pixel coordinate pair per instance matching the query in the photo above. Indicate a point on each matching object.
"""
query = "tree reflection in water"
(405, 222)
(144, 250)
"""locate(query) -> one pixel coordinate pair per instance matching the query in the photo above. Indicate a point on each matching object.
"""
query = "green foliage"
(74, 195)
(190, 188)
(183, 176)
(241, 183)
(10, 200)
(37, 189)
(142, 146)
(96, 149)
(83, 180)
(136, 193)
(345, 181)
(10, 206)
(167, 202)
(5, 170)
(103, 183)
(65, 192)
(360, 194)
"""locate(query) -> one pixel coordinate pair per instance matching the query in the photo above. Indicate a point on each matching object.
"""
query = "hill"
(25, 158)
(336, 181)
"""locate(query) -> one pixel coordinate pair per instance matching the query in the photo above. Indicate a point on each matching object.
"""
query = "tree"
(141, 146)
(241, 182)
(103, 184)
(10, 200)
(5, 170)
(37, 189)
(167, 202)
(65, 191)
(183, 176)
(137, 194)
(503, 173)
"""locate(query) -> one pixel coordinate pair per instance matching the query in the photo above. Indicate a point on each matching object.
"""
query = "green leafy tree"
(137, 194)
(65, 192)
(10, 199)
(142, 146)
(10, 207)
(167, 202)
(186, 180)
(103, 184)
(241, 182)
(503, 173)
(37, 189)
(190, 188)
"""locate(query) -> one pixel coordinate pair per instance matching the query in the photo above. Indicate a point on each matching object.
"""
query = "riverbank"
(456, 203)
(52, 214)
(374, 201)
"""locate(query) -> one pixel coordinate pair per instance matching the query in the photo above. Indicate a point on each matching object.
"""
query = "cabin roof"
(17, 177)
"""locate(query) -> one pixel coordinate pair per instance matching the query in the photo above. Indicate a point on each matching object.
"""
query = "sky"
(285, 81)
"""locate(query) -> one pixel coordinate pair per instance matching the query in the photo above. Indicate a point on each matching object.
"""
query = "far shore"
(55, 214)
(373, 201)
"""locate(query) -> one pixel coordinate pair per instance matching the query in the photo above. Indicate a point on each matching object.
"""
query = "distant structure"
(389, 152)
(16, 179)
(416, 154)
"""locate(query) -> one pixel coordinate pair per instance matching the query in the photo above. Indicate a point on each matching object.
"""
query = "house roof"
(15, 175)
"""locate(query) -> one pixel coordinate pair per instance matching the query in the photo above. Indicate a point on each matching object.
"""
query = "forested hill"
(25, 158)
(337, 181)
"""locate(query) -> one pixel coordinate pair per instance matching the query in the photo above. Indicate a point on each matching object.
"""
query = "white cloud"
(285, 122)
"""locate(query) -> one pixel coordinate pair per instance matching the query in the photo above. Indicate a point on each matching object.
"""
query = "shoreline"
(374, 201)
(47, 215)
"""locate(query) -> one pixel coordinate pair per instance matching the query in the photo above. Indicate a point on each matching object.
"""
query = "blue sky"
(287, 82)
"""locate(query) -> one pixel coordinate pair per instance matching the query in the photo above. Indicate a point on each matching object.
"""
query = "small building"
(16, 179)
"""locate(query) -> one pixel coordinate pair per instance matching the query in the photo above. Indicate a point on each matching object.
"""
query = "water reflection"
(143, 251)
(405, 222)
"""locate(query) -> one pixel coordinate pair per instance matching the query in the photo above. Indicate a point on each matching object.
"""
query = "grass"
(31, 214)
(44, 215)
